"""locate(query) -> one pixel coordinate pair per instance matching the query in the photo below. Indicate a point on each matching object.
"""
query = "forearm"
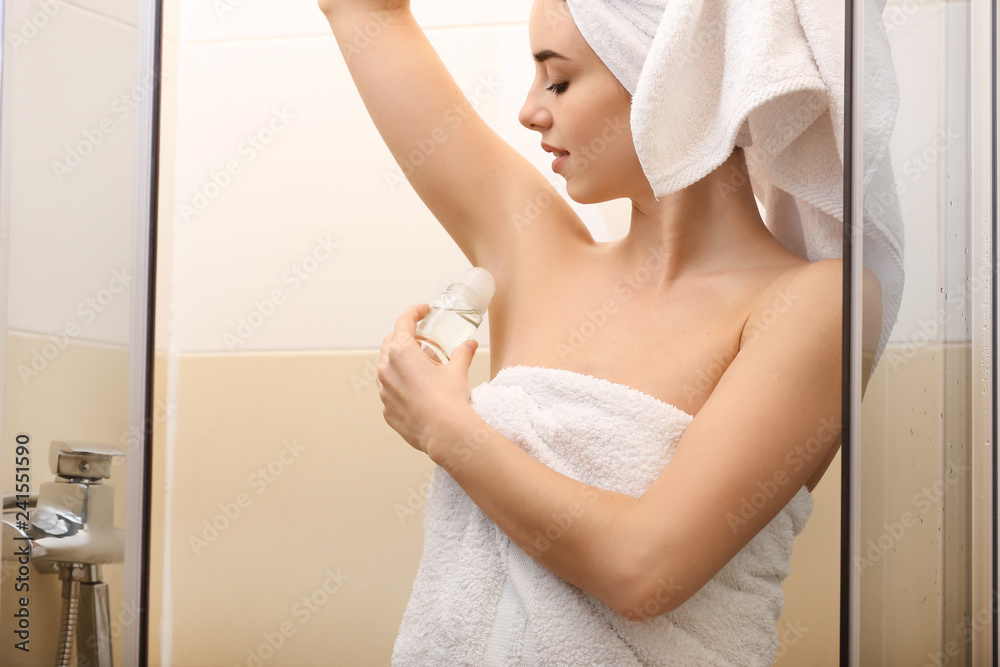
(443, 148)
(581, 533)
(402, 81)
(423, 116)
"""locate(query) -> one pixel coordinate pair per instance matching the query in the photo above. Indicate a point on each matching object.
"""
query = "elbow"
(649, 601)
(646, 593)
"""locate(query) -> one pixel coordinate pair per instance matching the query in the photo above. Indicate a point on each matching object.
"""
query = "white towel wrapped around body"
(479, 600)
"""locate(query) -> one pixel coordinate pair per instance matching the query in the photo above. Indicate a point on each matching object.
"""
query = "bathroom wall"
(289, 244)
(70, 88)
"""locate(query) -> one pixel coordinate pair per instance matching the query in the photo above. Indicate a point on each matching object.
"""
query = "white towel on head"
(768, 75)
(480, 601)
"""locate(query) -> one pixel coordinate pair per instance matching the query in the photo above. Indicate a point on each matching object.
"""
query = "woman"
(726, 324)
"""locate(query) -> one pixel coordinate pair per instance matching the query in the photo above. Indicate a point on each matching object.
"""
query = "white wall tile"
(915, 38)
(328, 173)
(126, 11)
(171, 20)
(953, 172)
(70, 94)
(436, 13)
(930, 151)
(165, 196)
(215, 20)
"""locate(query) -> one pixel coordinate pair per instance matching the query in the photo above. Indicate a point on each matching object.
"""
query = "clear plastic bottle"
(455, 314)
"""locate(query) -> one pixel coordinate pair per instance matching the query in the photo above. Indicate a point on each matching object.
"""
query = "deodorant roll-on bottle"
(455, 314)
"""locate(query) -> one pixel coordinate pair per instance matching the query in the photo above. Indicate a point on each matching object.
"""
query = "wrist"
(456, 436)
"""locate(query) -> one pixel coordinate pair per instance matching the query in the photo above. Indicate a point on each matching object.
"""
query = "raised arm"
(472, 180)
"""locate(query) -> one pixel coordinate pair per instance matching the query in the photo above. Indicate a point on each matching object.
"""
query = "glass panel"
(918, 414)
(916, 420)
(73, 101)
(272, 425)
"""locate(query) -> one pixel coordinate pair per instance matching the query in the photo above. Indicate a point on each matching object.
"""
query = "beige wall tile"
(809, 627)
(157, 524)
(308, 518)
(873, 473)
(81, 395)
(904, 543)
(349, 504)
(956, 501)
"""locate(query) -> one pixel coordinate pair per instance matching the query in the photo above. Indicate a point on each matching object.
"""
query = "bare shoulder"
(813, 289)
(817, 288)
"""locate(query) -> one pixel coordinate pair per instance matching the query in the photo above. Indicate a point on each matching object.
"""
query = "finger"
(463, 354)
(407, 322)
(382, 351)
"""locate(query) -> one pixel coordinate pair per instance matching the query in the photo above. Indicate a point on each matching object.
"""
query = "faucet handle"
(87, 460)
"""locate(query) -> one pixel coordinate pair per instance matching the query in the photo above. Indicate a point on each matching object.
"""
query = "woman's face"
(579, 107)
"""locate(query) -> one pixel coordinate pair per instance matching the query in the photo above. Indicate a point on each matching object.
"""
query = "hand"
(419, 395)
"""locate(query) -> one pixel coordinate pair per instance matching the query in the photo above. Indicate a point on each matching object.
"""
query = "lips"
(558, 152)
(560, 155)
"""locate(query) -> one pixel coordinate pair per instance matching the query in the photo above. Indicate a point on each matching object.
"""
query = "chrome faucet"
(74, 519)
(72, 531)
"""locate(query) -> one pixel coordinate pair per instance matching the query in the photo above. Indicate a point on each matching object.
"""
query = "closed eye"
(558, 88)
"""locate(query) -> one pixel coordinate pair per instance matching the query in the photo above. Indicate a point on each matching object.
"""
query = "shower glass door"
(79, 86)
(923, 475)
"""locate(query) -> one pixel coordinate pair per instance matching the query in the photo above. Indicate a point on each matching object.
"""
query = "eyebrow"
(542, 56)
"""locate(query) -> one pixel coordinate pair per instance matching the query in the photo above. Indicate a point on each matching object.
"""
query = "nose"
(534, 115)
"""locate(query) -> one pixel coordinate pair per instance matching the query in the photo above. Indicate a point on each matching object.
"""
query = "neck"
(712, 226)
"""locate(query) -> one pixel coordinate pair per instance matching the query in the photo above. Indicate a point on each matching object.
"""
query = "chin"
(585, 195)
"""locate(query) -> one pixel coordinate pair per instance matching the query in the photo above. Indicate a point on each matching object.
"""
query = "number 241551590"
(22, 475)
